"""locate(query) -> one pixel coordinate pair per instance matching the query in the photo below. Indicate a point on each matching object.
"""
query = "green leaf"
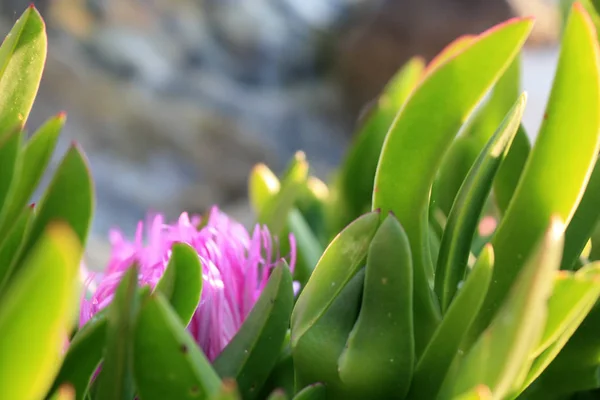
(572, 298)
(83, 357)
(278, 395)
(507, 177)
(312, 203)
(465, 150)
(379, 356)
(276, 208)
(316, 354)
(262, 185)
(65, 392)
(445, 344)
(181, 283)
(419, 137)
(308, 248)
(115, 381)
(34, 159)
(36, 311)
(481, 392)
(22, 59)
(69, 197)
(316, 391)
(10, 147)
(358, 169)
(167, 362)
(584, 221)
(501, 355)
(556, 161)
(470, 201)
(340, 262)
(228, 391)
(250, 356)
(10, 246)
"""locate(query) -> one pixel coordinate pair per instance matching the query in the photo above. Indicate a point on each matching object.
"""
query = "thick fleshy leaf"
(281, 378)
(312, 204)
(10, 147)
(468, 206)
(69, 197)
(83, 357)
(465, 149)
(228, 391)
(445, 344)
(22, 59)
(65, 392)
(501, 354)
(317, 352)
(115, 381)
(507, 177)
(10, 246)
(36, 311)
(340, 262)
(250, 356)
(481, 392)
(34, 159)
(419, 137)
(262, 185)
(565, 318)
(572, 297)
(379, 357)
(308, 248)
(584, 221)
(556, 161)
(181, 283)
(358, 169)
(316, 391)
(276, 208)
(167, 363)
(278, 395)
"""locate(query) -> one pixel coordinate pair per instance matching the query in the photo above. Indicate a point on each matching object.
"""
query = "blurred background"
(175, 100)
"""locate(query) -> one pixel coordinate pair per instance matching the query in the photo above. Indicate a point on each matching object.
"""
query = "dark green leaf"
(10, 246)
(10, 165)
(181, 282)
(115, 381)
(167, 362)
(83, 357)
(34, 159)
(446, 342)
(251, 356)
(340, 262)
(69, 197)
(316, 391)
(379, 357)
(584, 220)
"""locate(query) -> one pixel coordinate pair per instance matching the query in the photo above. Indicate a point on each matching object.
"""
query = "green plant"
(40, 246)
(400, 292)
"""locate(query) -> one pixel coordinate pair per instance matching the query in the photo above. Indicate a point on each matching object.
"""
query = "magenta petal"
(236, 266)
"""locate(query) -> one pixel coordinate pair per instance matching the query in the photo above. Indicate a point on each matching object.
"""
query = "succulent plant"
(448, 258)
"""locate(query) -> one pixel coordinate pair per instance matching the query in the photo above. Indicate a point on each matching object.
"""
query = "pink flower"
(235, 270)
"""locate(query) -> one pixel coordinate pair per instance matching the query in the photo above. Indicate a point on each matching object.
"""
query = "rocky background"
(175, 100)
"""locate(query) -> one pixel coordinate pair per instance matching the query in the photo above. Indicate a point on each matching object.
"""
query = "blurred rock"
(370, 53)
